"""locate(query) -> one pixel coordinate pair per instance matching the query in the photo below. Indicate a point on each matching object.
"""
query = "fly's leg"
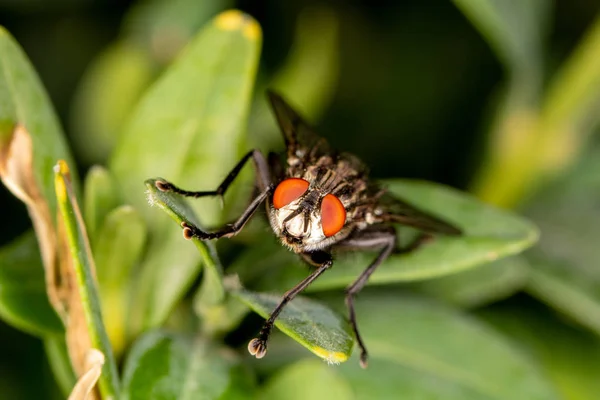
(263, 178)
(264, 183)
(385, 238)
(258, 346)
(191, 231)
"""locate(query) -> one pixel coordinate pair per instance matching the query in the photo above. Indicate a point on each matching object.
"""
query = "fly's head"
(306, 218)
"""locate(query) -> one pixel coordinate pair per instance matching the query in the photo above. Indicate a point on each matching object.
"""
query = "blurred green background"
(411, 88)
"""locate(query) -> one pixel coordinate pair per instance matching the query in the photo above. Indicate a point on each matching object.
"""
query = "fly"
(318, 201)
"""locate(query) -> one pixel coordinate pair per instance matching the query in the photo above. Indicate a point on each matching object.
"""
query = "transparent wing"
(398, 211)
(300, 138)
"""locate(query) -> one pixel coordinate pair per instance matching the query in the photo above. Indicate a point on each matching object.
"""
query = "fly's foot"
(364, 359)
(258, 347)
(163, 186)
(188, 231)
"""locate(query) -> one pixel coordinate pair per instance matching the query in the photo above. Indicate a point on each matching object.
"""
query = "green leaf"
(421, 349)
(188, 127)
(153, 33)
(316, 327)
(569, 112)
(83, 265)
(99, 197)
(535, 141)
(568, 356)
(60, 364)
(572, 292)
(213, 291)
(307, 379)
(489, 234)
(191, 122)
(165, 366)
(24, 102)
(23, 299)
(118, 249)
(119, 246)
(105, 97)
(479, 286)
(218, 313)
(564, 273)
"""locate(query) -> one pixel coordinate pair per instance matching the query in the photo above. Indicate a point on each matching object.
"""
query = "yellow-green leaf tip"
(332, 357)
(61, 174)
(234, 20)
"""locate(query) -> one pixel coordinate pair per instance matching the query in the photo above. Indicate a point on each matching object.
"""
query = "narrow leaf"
(84, 270)
(515, 30)
(569, 113)
(164, 366)
(60, 364)
(564, 264)
(316, 327)
(178, 209)
(118, 247)
(99, 197)
(23, 299)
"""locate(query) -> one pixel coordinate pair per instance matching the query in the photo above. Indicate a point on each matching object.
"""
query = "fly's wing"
(401, 212)
(300, 139)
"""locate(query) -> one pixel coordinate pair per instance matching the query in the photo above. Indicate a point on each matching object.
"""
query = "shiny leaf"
(316, 327)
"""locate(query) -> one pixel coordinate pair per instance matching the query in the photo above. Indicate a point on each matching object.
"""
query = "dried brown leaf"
(17, 173)
(83, 389)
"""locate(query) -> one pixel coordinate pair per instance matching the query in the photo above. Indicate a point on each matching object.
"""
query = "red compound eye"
(288, 191)
(333, 215)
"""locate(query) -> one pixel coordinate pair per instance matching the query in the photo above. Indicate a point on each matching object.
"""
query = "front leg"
(264, 183)
(258, 346)
(191, 231)
(263, 178)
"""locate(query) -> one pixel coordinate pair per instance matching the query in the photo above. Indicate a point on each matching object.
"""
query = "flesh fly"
(318, 201)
